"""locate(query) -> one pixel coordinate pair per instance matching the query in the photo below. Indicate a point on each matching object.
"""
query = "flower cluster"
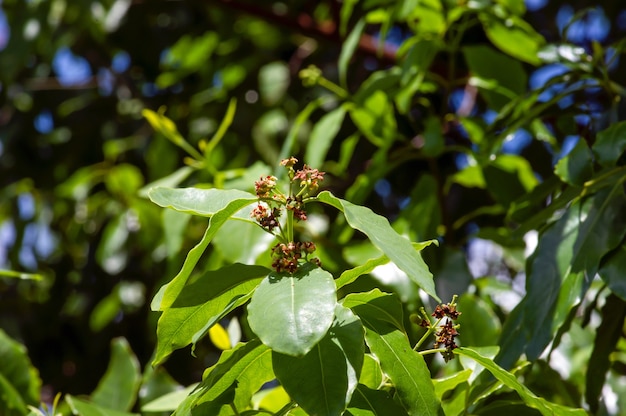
(446, 332)
(285, 257)
(267, 217)
(287, 254)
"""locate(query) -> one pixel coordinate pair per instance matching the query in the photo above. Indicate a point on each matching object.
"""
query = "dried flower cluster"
(446, 332)
(285, 257)
(306, 181)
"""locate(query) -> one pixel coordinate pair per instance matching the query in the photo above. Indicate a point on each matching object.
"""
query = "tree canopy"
(489, 133)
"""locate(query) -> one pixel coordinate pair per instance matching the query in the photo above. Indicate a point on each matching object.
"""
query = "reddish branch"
(304, 24)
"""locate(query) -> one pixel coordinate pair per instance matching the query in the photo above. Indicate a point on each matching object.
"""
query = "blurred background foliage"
(472, 122)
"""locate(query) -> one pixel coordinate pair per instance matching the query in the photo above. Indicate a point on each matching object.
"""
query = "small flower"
(289, 162)
(309, 178)
(265, 186)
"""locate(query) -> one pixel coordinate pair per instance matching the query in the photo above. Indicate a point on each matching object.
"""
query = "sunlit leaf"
(386, 239)
(323, 380)
(19, 380)
(203, 303)
(81, 407)
(546, 408)
(291, 313)
(118, 387)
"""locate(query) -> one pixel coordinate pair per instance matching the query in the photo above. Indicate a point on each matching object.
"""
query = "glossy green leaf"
(548, 268)
(443, 385)
(384, 306)
(291, 313)
(371, 373)
(577, 166)
(381, 315)
(375, 119)
(168, 402)
(19, 380)
(612, 272)
(156, 382)
(488, 64)
(81, 407)
(230, 238)
(118, 387)
(546, 408)
(371, 402)
(351, 275)
(174, 226)
(203, 303)
(509, 177)
(386, 239)
(323, 380)
(239, 374)
(196, 201)
(221, 208)
(513, 36)
(322, 136)
(610, 144)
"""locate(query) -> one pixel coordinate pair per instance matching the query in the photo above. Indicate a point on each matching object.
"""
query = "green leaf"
(19, 381)
(291, 313)
(509, 177)
(377, 229)
(322, 136)
(375, 119)
(610, 144)
(546, 408)
(221, 208)
(548, 269)
(196, 201)
(513, 36)
(481, 326)
(612, 272)
(443, 385)
(229, 241)
(386, 307)
(166, 127)
(406, 368)
(323, 380)
(82, 407)
(347, 50)
(381, 315)
(607, 335)
(168, 402)
(371, 373)
(203, 303)
(371, 402)
(238, 374)
(508, 73)
(577, 166)
(118, 387)
(351, 275)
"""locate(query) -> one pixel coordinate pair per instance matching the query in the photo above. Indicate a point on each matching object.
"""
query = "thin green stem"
(332, 87)
(431, 329)
(432, 351)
